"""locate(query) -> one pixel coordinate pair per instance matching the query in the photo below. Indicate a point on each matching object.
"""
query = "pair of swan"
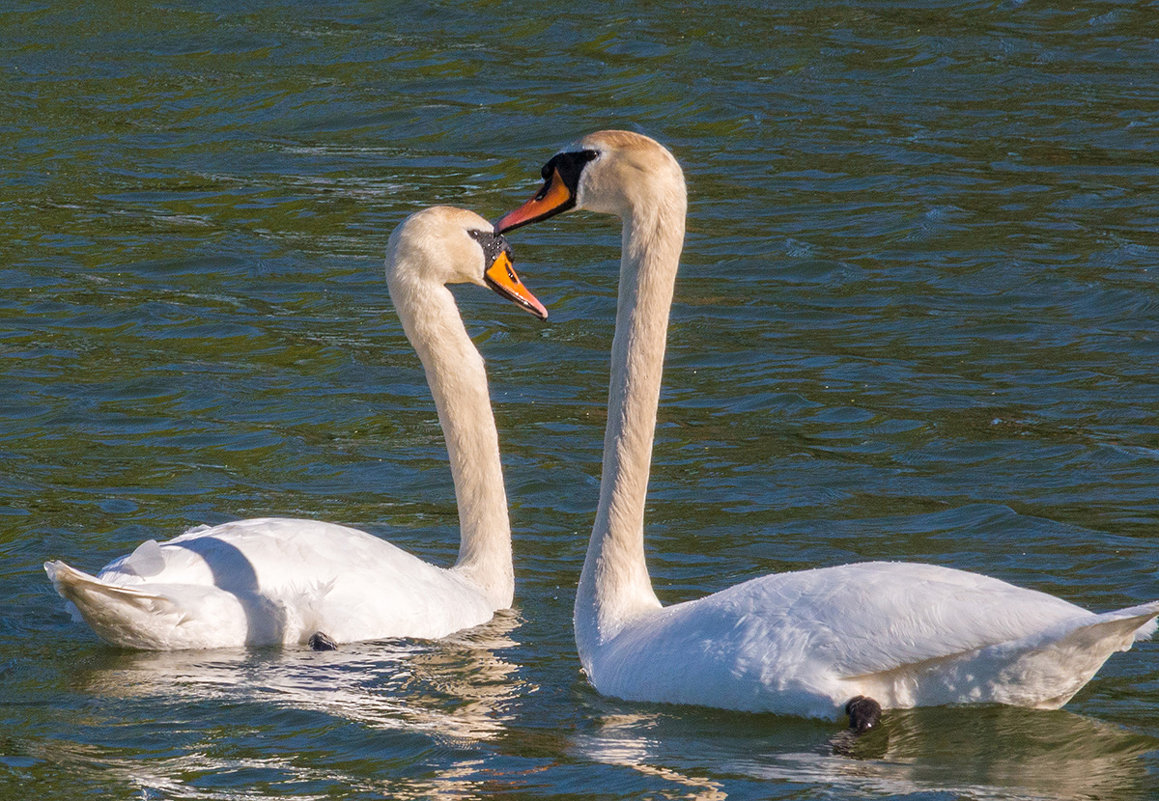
(857, 638)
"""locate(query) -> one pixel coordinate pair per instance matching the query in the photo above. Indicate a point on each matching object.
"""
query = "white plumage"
(269, 581)
(904, 634)
(800, 643)
(278, 581)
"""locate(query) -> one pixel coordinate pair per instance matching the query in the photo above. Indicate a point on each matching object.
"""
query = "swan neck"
(614, 584)
(457, 377)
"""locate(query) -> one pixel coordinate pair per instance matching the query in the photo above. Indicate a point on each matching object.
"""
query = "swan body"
(802, 643)
(904, 634)
(269, 581)
(272, 581)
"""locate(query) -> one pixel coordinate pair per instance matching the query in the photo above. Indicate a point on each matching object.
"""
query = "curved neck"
(614, 585)
(458, 382)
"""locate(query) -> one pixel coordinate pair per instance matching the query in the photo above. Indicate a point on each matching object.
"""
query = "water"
(916, 319)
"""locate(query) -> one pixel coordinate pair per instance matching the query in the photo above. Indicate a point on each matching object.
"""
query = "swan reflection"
(982, 753)
(457, 689)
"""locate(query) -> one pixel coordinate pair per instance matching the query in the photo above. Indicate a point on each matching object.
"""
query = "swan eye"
(568, 166)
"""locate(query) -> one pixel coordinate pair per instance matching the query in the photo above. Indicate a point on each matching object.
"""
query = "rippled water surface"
(917, 319)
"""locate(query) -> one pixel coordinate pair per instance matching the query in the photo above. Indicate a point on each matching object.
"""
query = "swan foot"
(864, 713)
(321, 641)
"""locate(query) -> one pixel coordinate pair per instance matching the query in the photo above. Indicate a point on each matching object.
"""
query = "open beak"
(501, 277)
(552, 198)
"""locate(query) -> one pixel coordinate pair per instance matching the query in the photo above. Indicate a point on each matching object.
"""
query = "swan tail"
(1043, 670)
(1149, 611)
(82, 589)
(1061, 665)
(1112, 631)
(118, 615)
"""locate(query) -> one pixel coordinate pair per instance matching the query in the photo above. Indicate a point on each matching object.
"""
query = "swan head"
(611, 172)
(446, 245)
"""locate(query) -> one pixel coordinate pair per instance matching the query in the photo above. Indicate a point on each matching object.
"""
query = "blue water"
(916, 319)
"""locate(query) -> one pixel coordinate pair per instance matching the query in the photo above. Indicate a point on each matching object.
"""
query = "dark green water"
(917, 319)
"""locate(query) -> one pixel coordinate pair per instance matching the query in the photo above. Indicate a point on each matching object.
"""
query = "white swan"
(279, 581)
(802, 643)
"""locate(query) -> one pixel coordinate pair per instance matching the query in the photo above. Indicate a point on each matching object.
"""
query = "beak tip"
(536, 308)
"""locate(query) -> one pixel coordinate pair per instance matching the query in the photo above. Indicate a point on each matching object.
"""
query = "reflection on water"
(449, 695)
(632, 740)
(452, 689)
(992, 752)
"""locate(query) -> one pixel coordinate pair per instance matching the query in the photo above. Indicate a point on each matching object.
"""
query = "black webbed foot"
(864, 713)
(321, 641)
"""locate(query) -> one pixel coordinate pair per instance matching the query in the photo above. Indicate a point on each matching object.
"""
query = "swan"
(273, 581)
(851, 639)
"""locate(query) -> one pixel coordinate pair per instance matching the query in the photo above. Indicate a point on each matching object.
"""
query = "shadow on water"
(234, 573)
(983, 752)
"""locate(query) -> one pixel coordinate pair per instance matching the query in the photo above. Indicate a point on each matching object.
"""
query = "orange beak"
(501, 277)
(551, 199)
